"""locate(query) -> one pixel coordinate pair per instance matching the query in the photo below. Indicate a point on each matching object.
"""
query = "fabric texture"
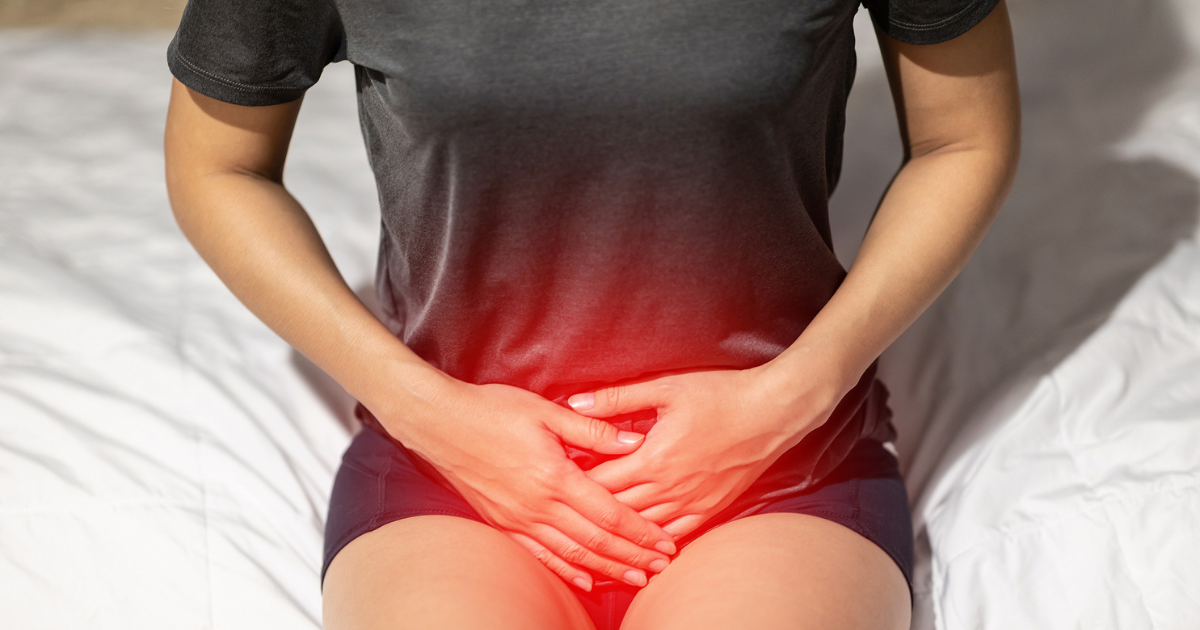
(928, 21)
(380, 481)
(255, 53)
(576, 195)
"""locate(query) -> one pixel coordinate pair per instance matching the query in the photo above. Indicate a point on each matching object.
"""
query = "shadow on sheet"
(1081, 226)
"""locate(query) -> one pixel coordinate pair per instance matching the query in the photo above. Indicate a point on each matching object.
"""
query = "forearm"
(721, 429)
(501, 447)
(264, 247)
(930, 221)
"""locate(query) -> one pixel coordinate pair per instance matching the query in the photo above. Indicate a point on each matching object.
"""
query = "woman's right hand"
(501, 447)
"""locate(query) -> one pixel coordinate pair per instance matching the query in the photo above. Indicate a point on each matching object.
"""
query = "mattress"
(166, 460)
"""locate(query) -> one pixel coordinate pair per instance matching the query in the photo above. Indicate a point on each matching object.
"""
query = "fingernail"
(583, 584)
(627, 437)
(658, 565)
(582, 402)
(666, 547)
(636, 578)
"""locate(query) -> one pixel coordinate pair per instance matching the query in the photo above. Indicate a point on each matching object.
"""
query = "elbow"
(999, 159)
(1005, 150)
(992, 137)
(178, 171)
(175, 175)
(993, 153)
(174, 181)
(1013, 161)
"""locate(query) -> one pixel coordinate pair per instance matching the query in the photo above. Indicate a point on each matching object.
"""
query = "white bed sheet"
(1049, 403)
(165, 460)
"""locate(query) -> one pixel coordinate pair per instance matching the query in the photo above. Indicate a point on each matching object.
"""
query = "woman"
(621, 379)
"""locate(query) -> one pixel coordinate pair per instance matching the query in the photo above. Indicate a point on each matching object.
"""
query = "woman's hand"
(501, 447)
(717, 431)
(959, 111)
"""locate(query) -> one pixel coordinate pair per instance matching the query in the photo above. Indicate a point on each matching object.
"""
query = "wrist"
(808, 380)
(402, 390)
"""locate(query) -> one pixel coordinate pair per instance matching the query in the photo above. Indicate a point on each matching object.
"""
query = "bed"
(165, 460)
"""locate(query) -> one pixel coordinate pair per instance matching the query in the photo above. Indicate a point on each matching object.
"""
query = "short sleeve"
(928, 21)
(255, 52)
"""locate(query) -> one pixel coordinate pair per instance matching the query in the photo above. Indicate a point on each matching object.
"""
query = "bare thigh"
(776, 571)
(444, 572)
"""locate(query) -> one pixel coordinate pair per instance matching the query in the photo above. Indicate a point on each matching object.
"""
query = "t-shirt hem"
(224, 89)
(936, 32)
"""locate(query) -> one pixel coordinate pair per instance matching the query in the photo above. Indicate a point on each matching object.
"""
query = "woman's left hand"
(717, 432)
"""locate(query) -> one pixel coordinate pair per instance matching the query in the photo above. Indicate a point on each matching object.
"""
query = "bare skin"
(444, 572)
(958, 108)
(451, 573)
(959, 112)
(776, 571)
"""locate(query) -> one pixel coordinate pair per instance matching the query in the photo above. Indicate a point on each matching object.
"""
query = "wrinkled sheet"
(165, 460)
(1048, 403)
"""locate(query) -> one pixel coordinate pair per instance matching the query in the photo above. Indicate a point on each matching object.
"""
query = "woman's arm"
(224, 168)
(500, 446)
(959, 114)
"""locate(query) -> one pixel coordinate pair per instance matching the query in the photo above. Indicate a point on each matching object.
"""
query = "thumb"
(596, 435)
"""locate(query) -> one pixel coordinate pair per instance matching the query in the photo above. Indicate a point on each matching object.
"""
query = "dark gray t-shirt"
(578, 193)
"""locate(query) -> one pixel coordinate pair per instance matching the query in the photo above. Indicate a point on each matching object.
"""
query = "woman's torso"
(580, 193)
